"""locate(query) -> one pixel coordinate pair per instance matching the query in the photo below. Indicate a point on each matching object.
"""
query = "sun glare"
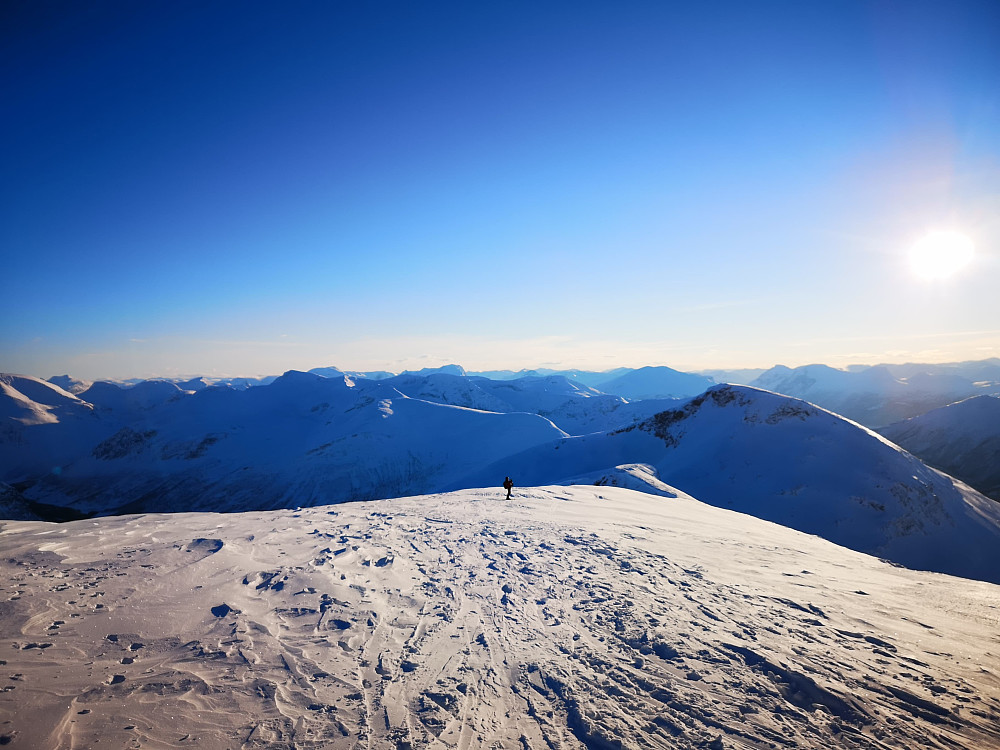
(939, 255)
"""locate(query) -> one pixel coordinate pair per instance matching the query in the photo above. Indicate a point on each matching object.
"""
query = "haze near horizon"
(244, 189)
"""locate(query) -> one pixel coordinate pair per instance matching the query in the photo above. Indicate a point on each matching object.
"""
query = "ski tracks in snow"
(567, 618)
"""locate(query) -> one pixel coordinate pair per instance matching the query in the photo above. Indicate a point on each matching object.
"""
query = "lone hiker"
(507, 485)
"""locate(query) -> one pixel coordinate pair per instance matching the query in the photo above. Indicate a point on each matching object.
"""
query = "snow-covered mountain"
(962, 439)
(443, 370)
(67, 383)
(575, 408)
(580, 618)
(744, 376)
(129, 402)
(306, 439)
(302, 440)
(984, 371)
(873, 396)
(656, 382)
(40, 422)
(792, 463)
(333, 372)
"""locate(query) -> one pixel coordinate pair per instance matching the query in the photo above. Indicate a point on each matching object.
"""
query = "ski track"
(567, 618)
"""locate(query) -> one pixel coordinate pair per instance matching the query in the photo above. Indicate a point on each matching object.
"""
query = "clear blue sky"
(247, 187)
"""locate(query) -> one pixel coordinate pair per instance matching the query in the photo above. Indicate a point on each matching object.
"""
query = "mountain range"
(308, 439)
(962, 439)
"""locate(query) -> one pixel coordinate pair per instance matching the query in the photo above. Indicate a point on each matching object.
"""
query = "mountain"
(131, 400)
(307, 439)
(656, 382)
(71, 385)
(573, 407)
(962, 439)
(504, 374)
(333, 372)
(743, 376)
(40, 426)
(192, 384)
(873, 396)
(302, 440)
(570, 617)
(584, 377)
(444, 370)
(985, 371)
(795, 464)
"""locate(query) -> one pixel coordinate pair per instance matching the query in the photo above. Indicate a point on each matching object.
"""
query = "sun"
(938, 255)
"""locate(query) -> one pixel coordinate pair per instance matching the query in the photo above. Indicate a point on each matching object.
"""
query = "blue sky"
(243, 188)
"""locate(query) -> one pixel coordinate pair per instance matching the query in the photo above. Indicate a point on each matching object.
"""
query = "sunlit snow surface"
(569, 617)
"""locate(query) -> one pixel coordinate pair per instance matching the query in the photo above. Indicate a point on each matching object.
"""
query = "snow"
(656, 382)
(962, 439)
(37, 390)
(457, 370)
(135, 398)
(790, 462)
(569, 617)
(70, 384)
(308, 439)
(880, 395)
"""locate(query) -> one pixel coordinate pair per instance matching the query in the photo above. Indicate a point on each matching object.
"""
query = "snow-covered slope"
(657, 382)
(572, 617)
(744, 376)
(129, 401)
(303, 440)
(457, 370)
(873, 396)
(962, 439)
(787, 461)
(306, 439)
(41, 426)
(70, 384)
(573, 407)
(984, 371)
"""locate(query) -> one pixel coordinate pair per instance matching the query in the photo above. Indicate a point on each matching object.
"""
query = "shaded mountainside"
(303, 439)
(657, 382)
(962, 439)
(581, 618)
(876, 396)
(790, 462)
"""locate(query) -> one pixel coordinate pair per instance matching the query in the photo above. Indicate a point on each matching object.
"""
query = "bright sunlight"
(938, 255)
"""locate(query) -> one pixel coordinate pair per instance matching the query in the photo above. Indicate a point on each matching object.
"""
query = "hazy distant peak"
(327, 372)
(655, 382)
(444, 370)
(70, 384)
(297, 376)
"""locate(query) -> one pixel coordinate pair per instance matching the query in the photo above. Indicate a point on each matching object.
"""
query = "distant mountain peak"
(443, 370)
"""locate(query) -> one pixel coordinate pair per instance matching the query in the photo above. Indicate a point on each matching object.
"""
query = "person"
(507, 485)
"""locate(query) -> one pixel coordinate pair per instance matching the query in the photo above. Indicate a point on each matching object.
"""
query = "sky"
(243, 188)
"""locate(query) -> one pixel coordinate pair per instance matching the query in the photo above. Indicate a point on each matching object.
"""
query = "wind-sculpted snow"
(795, 464)
(570, 617)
